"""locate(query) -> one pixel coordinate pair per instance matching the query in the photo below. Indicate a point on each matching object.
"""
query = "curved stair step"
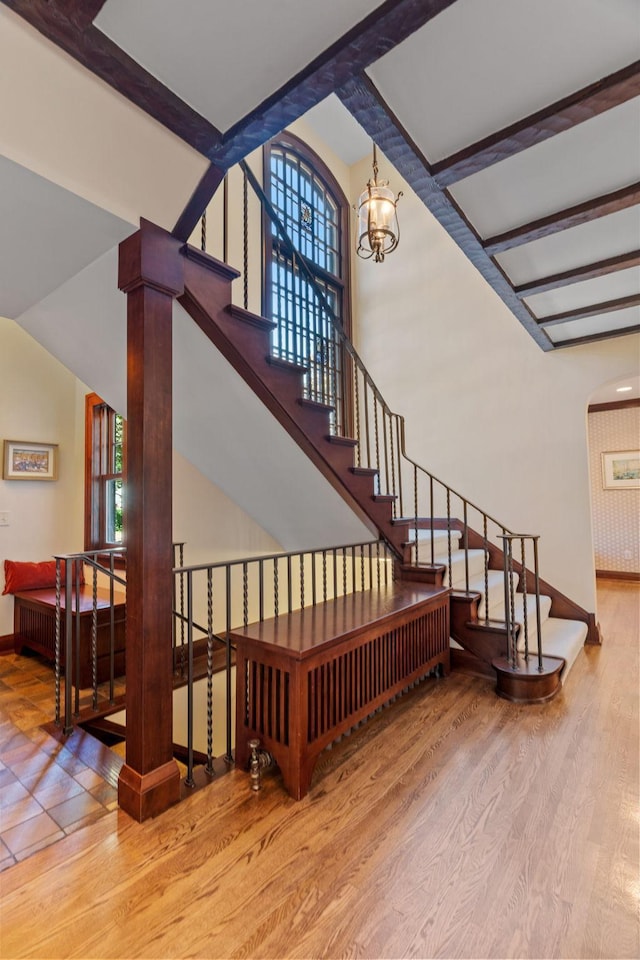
(561, 638)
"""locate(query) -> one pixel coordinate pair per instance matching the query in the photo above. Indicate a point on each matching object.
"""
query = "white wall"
(486, 410)
(62, 122)
(616, 513)
(38, 401)
(41, 400)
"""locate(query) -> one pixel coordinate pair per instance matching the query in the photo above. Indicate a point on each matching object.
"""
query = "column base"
(146, 795)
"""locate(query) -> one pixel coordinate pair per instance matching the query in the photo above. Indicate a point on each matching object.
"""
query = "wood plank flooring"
(455, 824)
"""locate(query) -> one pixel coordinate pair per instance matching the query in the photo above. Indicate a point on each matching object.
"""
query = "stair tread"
(254, 319)
(287, 365)
(316, 405)
(342, 441)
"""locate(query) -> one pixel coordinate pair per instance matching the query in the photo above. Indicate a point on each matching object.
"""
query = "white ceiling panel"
(587, 243)
(613, 286)
(334, 124)
(589, 160)
(225, 59)
(479, 66)
(589, 326)
(34, 215)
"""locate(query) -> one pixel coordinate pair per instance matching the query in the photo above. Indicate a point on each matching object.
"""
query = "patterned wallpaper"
(616, 513)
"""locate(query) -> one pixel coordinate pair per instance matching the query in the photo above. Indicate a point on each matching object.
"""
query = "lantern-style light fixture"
(378, 230)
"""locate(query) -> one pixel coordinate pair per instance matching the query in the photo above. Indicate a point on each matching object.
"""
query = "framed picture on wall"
(24, 460)
(621, 470)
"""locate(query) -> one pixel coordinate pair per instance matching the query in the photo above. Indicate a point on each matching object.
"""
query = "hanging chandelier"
(378, 230)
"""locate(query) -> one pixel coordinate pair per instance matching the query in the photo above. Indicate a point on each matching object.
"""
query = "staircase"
(372, 473)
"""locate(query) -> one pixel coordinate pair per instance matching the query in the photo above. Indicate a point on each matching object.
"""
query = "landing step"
(210, 263)
(526, 682)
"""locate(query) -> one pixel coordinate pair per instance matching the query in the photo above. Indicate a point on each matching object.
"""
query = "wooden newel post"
(150, 273)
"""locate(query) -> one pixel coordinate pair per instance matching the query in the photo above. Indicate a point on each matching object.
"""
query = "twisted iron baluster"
(94, 641)
(203, 232)
(486, 568)
(275, 588)
(524, 600)
(344, 571)
(537, 584)
(209, 766)
(393, 468)
(466, 546)
(449, 534)
(302, 581)
(356, 394)
(431, 508)
(415, 512)
(57, 653)
(512, 603)
(189, 781)
(324, 575)
(245, 244)
(377, 439)
(245, 594)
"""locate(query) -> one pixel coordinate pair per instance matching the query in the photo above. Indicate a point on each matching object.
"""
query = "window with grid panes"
(314, 212)
(104, 479)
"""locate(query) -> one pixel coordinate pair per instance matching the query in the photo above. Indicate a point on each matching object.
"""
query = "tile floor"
(48, 788)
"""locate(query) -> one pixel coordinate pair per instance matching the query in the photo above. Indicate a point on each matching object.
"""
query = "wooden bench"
(34, 627)
(305, 677)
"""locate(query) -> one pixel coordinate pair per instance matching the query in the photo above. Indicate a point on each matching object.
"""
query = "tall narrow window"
(104, 475)
(314, 213)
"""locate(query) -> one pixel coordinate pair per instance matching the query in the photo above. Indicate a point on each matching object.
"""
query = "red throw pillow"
(32, 576)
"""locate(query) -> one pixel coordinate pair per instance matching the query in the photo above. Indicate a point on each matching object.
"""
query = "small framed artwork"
(621, 470)
(30, 461)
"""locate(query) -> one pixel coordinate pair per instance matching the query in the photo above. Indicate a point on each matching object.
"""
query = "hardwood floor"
(455, 824)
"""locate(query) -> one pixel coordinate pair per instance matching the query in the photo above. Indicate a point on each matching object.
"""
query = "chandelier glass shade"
(378, 229)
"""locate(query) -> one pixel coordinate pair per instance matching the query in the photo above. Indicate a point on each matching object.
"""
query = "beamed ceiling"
(517, 123)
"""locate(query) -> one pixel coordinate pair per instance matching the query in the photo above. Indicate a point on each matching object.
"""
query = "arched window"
(315, 214)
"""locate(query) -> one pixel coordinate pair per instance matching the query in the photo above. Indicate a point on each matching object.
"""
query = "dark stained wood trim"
(564, 219)
(608, 306)
(592, 338)
(587, 272)
(582, 105)
(614, 405)
(151, 273)
(108, 61)
(384, 28)
(618, 575)
(198, 202)
(82, 13)
(6, 644)
(364, 102)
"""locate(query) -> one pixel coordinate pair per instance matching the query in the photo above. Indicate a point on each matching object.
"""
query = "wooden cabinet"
(34, 627)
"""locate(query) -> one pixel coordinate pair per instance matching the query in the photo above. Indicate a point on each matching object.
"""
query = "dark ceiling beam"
(609, 306)
(564, 219)
(384, 28)
(592, 338)
(81, 12)
(198, 202)
(587, 272)
(364, 102)
(97, 53)
(582, 105)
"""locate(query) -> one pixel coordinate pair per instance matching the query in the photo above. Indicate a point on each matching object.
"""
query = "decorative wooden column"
(150, 273)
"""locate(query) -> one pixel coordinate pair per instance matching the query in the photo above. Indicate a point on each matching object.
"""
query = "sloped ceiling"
(516, 123)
